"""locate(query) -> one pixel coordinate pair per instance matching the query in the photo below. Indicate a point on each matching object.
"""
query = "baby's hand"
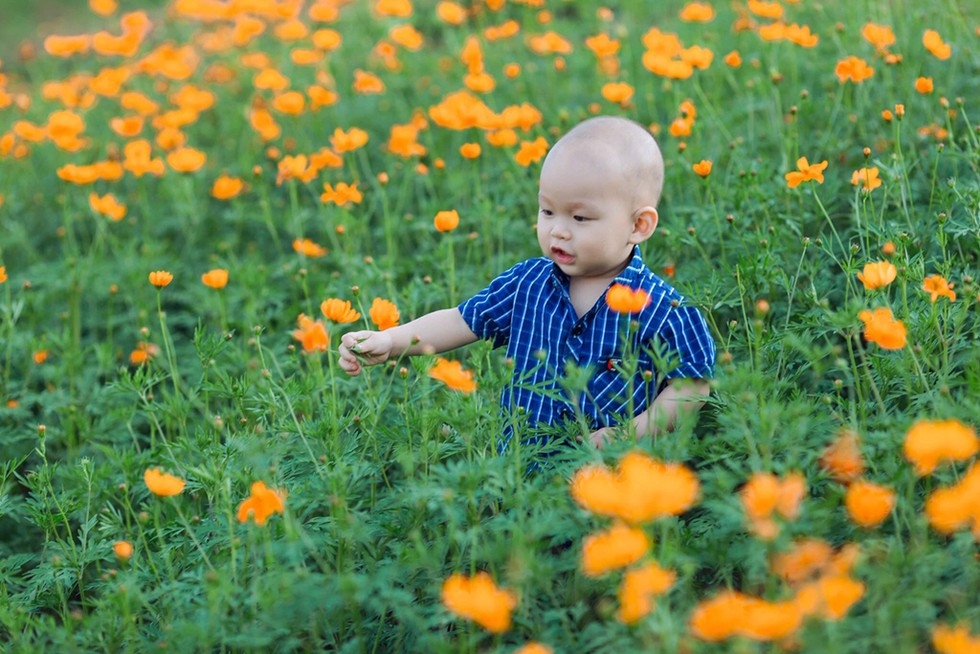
(601, 437)
(363, 348)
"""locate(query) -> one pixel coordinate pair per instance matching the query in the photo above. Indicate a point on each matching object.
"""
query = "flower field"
(199, 197)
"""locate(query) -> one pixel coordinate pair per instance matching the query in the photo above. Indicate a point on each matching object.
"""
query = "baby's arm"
(434, 332)
(679, 397)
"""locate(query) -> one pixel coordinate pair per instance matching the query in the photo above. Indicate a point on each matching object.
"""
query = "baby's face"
(585, 213)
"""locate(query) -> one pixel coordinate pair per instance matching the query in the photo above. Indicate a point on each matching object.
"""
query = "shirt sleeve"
(686, 337)
(489, 313)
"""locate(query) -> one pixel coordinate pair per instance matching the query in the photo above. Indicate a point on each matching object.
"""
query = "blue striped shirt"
(528, 309)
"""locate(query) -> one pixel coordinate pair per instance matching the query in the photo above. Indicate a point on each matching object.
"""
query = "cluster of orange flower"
(261, 503)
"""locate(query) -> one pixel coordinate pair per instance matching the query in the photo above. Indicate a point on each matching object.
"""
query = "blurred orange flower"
(764, 495)
(935, 45)
(143, 353)
(868, 504)
(384, 313)
(880, 36)
(479, 599)
(806, 172)
(881, 327)
(261, 503)
(853, 69)
(216, 278)
(936, 286)
(842, 458)
(339, 311)
(697, 12)
(615, 548)
(806, 559)
(308, 248)
(957, 506)
(639, 587)
(623, 299)
(923, 85)
(123, 550)
(367, 83)
(162, 483)
(161, 278)
(3, 274)
(641, 489)
(108, 206)
(186, 160)
(702, 168)
(877, 274)
(452, 374)
(451, 13)
(348, 141)
(470, 150)
(618, 92)
(312, 334)
(226, 187)
(39, 356)
(731, 613)
(866, 178)
(931, 442)
(341, 194)
(446, 221)
(531, 151)
(954, 640)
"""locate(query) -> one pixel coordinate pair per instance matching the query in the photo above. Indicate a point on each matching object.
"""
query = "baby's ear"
(644, 224)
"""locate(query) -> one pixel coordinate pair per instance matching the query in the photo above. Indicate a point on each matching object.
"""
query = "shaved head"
(618, 147)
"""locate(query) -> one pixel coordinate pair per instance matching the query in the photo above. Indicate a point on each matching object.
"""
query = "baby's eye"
(544, 212)
(581, 219)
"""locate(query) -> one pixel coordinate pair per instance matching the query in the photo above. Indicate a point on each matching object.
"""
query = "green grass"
(392, 481)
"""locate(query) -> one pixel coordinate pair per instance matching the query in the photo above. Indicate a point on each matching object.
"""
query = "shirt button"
(577, 330)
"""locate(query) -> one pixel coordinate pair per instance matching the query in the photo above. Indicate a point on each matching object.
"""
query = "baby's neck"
(586, 291)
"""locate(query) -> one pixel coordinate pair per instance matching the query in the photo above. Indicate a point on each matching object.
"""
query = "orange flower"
(261, 503)
(733, 59)
(923, 85)
(186, 160)
(470, 150)
(935, 45)
(842, 458)
(367, 83)
(807, 558)
(479, 599)
(880, 36)
(930, 442)
(638, 589)
(312, 334)
(531, 151)
(226, 187)
(108, 206)
(348, 141)
(623, 299)
(866, 178)
(451, 13)
(615, 548)
(731, 613)
(881, 327)
(123, 550)
(957, 506)
(3, 274)
(162, 483)
(954, 640)
(160, 278)
(341, 194)
(618, 92)
(764, 495)
(697, 12)
(869, 504)
(702, 168)
(807, 172)
(40, 356)
(936, 286)
(339, 311)
(641, 489)
(66, 46)
(143, 353)
(831, 596)
(446, 221)
(295, 167)
(877, 274)
(308, 248)
(853, 69)
(217, 278)
(384, 313)
(452, 374)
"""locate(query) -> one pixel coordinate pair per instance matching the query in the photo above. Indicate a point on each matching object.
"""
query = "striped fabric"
(528, 310)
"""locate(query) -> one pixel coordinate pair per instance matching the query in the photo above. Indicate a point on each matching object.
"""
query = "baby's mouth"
(560, 256)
